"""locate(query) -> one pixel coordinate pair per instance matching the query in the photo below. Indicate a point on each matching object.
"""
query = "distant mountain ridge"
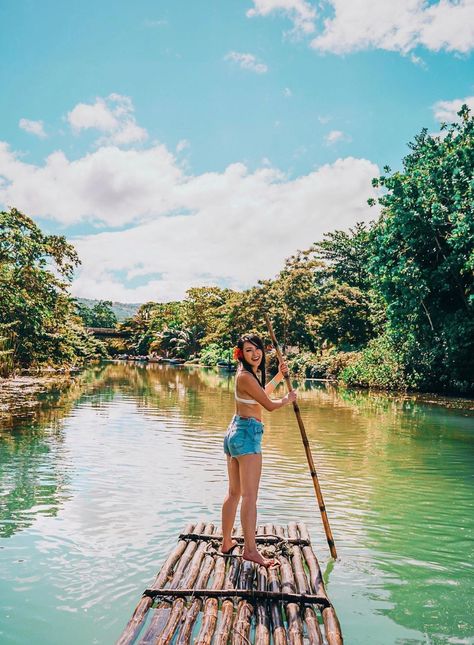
(122, 310)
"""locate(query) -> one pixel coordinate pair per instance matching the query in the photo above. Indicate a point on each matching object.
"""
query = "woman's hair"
(257, 341)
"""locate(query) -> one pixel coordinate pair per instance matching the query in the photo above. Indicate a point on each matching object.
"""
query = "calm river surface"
(97, 484)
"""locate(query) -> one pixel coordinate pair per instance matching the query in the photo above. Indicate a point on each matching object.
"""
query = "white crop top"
(237, 398)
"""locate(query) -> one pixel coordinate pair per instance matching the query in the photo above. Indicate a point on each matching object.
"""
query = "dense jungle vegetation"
(389, 305)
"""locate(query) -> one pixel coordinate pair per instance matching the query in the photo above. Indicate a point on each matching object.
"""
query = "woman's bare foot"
(257, 557)
(227, 547)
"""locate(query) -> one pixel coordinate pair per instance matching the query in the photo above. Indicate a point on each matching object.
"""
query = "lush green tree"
(100, 314)
(423, 256)
(346, 256)
(145, 327)
(35, 306)
(103, 315)
(291, 299)
(344, 318)
(180, 343)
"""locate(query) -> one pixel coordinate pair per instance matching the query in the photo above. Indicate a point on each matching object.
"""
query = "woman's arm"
(250, 386)
(277, 379)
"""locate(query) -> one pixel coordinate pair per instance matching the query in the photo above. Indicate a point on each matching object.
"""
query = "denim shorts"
(243, 436)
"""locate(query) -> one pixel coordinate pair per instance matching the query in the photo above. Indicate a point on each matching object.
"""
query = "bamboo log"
(211, 606)
(135, 623)
(243, 617)
(332, 626)
(163, 613)
(278, 626)
(187, 581)
(184, 636)
(292, 609)
(314, 633)
(262, 628)
(227, 608)
(309, 456)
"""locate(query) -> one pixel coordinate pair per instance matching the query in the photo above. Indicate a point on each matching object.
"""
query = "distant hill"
(121, 309)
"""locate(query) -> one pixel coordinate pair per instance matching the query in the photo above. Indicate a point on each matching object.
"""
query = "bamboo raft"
(200, 596)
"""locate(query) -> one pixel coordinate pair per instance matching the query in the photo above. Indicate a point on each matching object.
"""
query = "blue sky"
(178, 144)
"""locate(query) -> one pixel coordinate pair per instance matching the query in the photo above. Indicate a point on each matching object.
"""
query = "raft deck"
(200, 596)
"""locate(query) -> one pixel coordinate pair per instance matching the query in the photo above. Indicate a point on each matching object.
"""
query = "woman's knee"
(249, 497)
(234, 494)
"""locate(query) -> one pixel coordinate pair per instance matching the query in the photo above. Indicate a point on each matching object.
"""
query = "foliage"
(145, 327)
(6, 353)
(423, 257)
(292, 300)
(122, 310)
(344, 318)
(326, 365)
(35, 271)
(213, 353)
(346, 256)
(99, 315)
(379, 365)
(179, 343)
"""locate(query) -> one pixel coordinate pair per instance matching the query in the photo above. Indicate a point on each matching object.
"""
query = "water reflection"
(96, 486)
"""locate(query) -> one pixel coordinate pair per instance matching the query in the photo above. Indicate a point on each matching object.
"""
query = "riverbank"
(22, 394)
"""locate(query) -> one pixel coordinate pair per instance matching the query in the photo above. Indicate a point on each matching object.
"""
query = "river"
(99, 480)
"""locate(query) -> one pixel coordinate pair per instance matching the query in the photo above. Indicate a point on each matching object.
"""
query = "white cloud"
(301, 13)
(182, 145)
(447, 110)
(236, 216)
(111, 185)
(183, 229)
(112, 115)
(336, 135)
(247, 61)
(33, 127)
(287, 92)
(397, 26)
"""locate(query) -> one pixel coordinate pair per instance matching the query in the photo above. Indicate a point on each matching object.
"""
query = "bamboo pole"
(162, 612)
(244, 613)
(184, 636)
(278, 626)
(302, 584)
(135, 623)
(187, 582)
(211, 605)
(262, 628)
(309, 456)
(227, 608)
(332, 626)
(292, 609)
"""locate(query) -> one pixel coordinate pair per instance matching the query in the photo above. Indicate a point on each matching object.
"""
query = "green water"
(96, 485)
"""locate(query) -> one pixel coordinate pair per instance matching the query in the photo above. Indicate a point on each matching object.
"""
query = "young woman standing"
(242, 443)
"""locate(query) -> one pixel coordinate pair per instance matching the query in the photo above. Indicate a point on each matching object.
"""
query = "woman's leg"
(229, 507)
(250, 470)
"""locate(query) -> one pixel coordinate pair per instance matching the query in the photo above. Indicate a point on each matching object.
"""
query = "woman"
(242, 443)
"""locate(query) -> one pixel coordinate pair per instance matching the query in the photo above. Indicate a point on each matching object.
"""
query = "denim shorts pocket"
(236, 440)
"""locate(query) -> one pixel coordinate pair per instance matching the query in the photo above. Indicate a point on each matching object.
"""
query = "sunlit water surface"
(97, 485)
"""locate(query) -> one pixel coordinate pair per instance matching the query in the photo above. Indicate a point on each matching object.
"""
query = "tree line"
(387, 304)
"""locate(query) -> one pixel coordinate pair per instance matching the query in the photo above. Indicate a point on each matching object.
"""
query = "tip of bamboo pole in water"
(268, 605)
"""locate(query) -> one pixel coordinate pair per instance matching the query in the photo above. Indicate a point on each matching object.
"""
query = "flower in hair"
(238, 354)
